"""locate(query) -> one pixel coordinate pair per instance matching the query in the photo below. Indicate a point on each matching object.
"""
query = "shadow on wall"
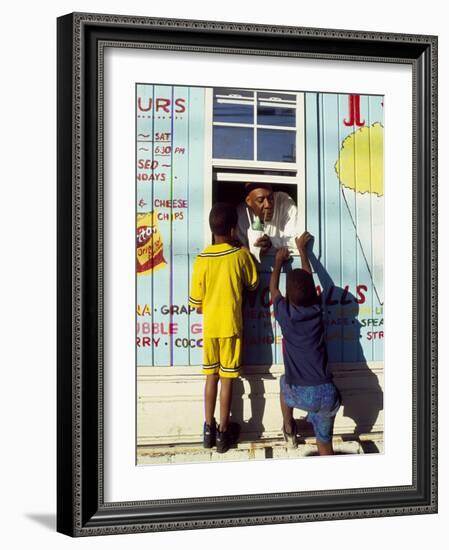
(258, 352)
(362, 396)
(253, 428)
(259, 345)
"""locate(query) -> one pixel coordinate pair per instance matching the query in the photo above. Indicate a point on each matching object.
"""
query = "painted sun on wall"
(297, 172)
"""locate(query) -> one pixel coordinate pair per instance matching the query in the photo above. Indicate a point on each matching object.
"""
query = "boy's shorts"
(321, 402)
(222, 356)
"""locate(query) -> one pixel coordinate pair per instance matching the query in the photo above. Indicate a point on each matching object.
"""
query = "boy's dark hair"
(301, 290)
(222, 218)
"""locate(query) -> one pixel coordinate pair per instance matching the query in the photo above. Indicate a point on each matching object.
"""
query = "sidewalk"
(276, 448)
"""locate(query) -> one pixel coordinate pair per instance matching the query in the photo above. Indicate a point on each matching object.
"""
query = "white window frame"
(299, 180)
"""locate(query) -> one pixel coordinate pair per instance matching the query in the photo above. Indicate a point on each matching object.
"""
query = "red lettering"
(361, 297)
(162, 103)
(146, 164)
(157, 328)
(180, 104)
(150, 177)
(166, 203)
(147, 342)
(173, 216)
(144, 109)
(354, 111)
(358, 122)
(375, 335)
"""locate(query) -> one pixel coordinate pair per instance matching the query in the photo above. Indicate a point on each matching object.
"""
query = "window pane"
(275, 116)
(276, 145)
(230, 112)
(241, 92)
(276, 109)
(233, 143)
(233, 106)
(277, 96)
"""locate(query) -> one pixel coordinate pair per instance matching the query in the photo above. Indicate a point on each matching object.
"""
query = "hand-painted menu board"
(344, 212)
(169, 221)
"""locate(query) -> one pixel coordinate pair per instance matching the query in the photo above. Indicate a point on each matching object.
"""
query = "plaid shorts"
(321, 402)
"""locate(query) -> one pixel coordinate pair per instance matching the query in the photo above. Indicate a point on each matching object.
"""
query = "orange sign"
(150, 248)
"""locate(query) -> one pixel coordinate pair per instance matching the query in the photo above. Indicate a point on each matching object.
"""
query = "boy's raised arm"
(282, 255)
(301, 243)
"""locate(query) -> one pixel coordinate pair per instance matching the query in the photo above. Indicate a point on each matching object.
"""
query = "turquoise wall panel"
(344, 213)
(170, 187)
(348, 311)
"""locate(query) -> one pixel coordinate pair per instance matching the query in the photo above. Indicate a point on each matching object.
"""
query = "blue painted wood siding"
(347, 224)
(348, 227)
(170, 133)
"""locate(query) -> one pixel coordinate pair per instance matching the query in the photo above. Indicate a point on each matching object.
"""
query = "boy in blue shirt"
(307, 383)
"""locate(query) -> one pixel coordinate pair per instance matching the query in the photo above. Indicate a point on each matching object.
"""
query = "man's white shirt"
(282, 228)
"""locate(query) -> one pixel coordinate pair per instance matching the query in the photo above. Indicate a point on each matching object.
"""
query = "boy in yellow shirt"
(219, 275)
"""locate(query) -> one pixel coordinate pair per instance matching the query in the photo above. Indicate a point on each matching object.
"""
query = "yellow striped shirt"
(219, 274)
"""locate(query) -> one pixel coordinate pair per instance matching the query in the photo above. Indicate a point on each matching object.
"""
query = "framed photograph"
(247, 274)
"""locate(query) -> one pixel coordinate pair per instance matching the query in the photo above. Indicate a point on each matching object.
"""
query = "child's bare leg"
(225, 402)
(287, 414)
(325, 448)
(210, 397)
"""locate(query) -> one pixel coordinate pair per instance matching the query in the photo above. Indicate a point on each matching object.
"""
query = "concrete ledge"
(170, 406)
(268, 449)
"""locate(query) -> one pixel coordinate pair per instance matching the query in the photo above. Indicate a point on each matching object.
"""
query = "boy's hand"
(303, 241)
(282, 255)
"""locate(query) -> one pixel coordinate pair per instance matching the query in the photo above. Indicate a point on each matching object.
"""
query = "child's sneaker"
(225, 440)
(292, 438)
(209, 435)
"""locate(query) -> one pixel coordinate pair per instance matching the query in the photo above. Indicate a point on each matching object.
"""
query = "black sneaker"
(209, 435)
(225, 440)
(292, 438)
